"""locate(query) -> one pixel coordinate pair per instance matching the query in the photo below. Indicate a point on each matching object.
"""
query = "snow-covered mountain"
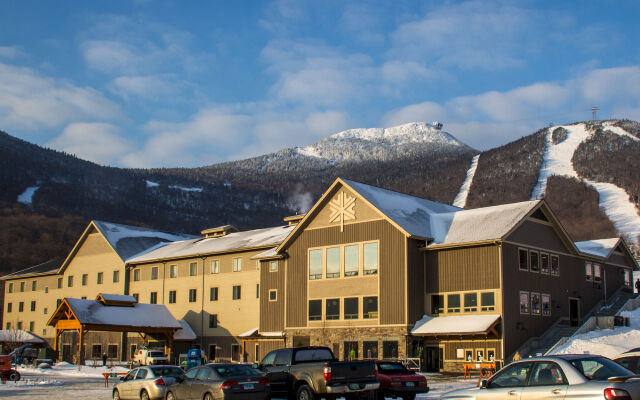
(381, 143)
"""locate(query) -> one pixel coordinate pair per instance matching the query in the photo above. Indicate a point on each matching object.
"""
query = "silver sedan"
(146, 383)
(556, 377)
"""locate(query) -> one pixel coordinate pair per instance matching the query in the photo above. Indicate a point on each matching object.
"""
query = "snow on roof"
(48, 266)
(140, 315)
(118, 297)
(231, 241)
(478, 224)
(413, 214)
(272, 334)
(266, 254)
(185, 332)
(18, 336)
(129, 241)
(600, 247)
(249, 333)
(456, 324)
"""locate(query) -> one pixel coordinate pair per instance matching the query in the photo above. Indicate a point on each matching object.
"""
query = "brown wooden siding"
(538, 235)
(571, 283)
(619, 259)
(466, 268)
(450, 348)
(391, 269)
(267, 346)
(415, 280)
(271, 312)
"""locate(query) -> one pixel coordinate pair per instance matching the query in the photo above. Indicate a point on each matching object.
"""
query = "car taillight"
(228, 385)
(159, 382)
(376, 369)
(616, 394)
(264, 381)
(327, 373)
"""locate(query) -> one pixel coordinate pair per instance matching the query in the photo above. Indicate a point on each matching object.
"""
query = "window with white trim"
(524, 303)
(523, 259)
(333, 262)
(315, 264)
(215, 266)
(237, 264)
(351, 260)
(546, 305)
(370, 258)
(588, 271)
(534, 261)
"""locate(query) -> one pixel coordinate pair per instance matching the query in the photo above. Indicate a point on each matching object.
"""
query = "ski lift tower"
(593, 113)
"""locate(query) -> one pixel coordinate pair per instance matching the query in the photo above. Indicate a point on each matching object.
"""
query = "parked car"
(306, 373)
(149, 357)
(6, 369)
(146, 383)
(397, 381)
(629, 360)
(556, 377)
(220, 381)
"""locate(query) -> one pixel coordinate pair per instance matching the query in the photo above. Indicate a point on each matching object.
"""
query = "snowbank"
(64, 368)
(461, 198)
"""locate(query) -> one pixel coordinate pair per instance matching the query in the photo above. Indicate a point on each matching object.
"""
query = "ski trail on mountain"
(461, 198)
(611, 198)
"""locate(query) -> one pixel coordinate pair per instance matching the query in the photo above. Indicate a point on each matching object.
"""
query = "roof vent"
(219, 231)
(294, 219)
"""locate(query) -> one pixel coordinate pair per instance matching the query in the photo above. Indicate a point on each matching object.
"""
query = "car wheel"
(116, 394)
(14, 376)
(170, 396)
(144, 395)
(208, 396)
(305, 393)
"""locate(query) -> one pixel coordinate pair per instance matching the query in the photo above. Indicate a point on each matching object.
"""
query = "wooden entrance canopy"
(113, 313)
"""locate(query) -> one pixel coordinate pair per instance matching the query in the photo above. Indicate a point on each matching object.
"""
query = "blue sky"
(160, 83)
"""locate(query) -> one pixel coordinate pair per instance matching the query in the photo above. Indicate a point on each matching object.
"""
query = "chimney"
(219, 231)
(294, 219)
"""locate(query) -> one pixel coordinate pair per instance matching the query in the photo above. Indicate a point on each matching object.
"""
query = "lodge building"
(367, 271)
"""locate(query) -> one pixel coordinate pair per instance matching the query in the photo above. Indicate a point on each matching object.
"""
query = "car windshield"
(599, 368)
(393, 368)
(156, 354)
(226, 371)
(313, 355)
(167, 371)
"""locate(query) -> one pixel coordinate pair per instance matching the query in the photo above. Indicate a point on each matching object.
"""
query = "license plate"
(354, 386)
(248, 386)
(410, 384)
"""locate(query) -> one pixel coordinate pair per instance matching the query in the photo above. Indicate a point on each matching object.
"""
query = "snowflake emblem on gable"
(342, 209)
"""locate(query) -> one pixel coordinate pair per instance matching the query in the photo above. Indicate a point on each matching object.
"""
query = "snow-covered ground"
(606, 342)
(461, 198)
(613, 199)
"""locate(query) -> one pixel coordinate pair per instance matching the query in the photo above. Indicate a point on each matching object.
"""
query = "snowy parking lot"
(65, 381)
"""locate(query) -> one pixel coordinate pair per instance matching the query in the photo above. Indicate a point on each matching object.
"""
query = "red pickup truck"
(397, 381)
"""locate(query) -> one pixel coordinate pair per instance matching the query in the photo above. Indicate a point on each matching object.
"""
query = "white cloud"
(31, 101)
(10, 51)
(98, 142)
(151, 86)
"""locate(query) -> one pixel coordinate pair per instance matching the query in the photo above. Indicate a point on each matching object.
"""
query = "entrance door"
(574, 311)
(350, 351)
(431, 359)
(66, 353)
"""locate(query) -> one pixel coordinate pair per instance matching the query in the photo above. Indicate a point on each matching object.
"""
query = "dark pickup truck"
(308, 373)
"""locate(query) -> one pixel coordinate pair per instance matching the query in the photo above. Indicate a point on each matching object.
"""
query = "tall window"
(487, 301)
(85, 279)
(136, 275)
(627, 277)
(470, 302)
(273, 266)
(597, 272)
(100, 278)
(453, 303)
(370, 307)
(153, 298)
(213, 294)
(70, 281)
(21, 306)
(31, 326)
(193, 269)
(237, 264)
(33, 286)
(11, 286)
(544, 263)
(351, 260)
(437, 304)
(96, 351)
(236, 293)
(332, 309)
(315, 310)
(59, 283)
(172, 297)
(351, 308)
(535, 303)
(523, 258)
(173, 271)
(534, 261)
(370, 256)
(273, 295)
(333, 262)
(154, 273)
(9, 307)
(192, 295)
(315, 264)
(213, 320)
(555, 265)
(112, 351)
(588, 271)
(215, 266)
(524, 302)
(22, 286)
(33, 306)
(116, 276)
(546, 305)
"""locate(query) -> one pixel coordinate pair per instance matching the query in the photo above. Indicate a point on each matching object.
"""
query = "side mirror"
(255, 366)
(484, 384)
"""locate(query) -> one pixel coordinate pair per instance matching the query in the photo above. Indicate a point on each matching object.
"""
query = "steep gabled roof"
(254, 239)
(599, 247)
(45, 268)
(479, 224)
